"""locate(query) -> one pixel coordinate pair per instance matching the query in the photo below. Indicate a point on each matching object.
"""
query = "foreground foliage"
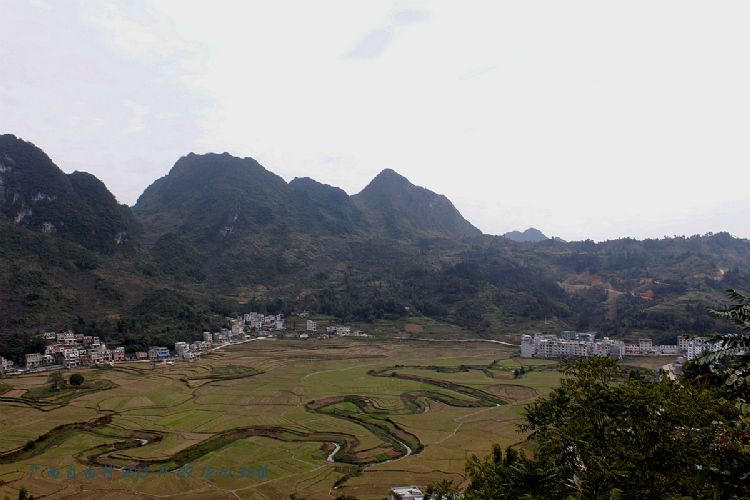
(603, 434)
(731, 354)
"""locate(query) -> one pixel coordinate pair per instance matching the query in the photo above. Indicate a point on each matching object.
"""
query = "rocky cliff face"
(36, 194)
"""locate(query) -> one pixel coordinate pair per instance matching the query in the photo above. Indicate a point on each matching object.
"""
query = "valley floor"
(314, 419)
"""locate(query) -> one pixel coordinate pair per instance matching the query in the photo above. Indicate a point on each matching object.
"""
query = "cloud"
(122, 115)
(376, 41)
(409, 16)
(553, 117)
(373, 44)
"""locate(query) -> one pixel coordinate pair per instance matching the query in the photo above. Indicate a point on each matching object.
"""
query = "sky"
(585, 119)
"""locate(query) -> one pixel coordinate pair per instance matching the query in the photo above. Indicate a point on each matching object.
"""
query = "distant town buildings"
(313, 331)
(192, 351)
(258, 322)
(693, 347)
(72, 350)
(570, 344)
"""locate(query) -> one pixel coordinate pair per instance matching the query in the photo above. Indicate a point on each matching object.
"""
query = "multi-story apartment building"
(580, 345)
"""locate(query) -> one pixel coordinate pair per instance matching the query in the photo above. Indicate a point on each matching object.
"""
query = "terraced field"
(268, 419)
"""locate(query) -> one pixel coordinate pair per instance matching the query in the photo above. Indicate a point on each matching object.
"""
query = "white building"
(254, 320)
(406, 493)
(238, 328)
(573, 345)
(646, 346)
(6, 365)
(200, 346)
(682, 341)
(696, 346)
(71, 358)
(667, 350)
(693, 347)
(338, 330)
(67, 338)
(118, 354)
(527, 346)
(34, 360)
(311, 325)
(558, 348)
(608, 347)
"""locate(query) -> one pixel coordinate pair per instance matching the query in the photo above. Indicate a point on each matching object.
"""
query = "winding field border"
(360, 410)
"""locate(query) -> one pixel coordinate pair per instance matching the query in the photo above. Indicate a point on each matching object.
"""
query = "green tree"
(731, 353)
(56, 381)
(602, 434)
(76, 379)
(508, 476)
(443, 490)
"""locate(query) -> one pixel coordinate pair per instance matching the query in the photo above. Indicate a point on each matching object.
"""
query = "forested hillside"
(219, 233)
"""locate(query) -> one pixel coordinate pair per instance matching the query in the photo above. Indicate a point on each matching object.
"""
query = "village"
(73, 350)
(571, 344)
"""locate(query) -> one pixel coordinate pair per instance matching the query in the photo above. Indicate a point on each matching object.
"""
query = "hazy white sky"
(585, 119)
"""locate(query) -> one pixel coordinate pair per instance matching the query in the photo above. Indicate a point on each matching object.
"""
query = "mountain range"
(220, 234)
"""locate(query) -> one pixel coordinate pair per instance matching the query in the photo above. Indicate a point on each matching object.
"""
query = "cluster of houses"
(71, 350)
(693, 347)
(258, 322)
(188, 351)
(570, 344)
(312, 331)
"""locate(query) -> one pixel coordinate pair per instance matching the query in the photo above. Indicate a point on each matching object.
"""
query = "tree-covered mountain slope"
(36, 194)
(221, 234)
(401, 210)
